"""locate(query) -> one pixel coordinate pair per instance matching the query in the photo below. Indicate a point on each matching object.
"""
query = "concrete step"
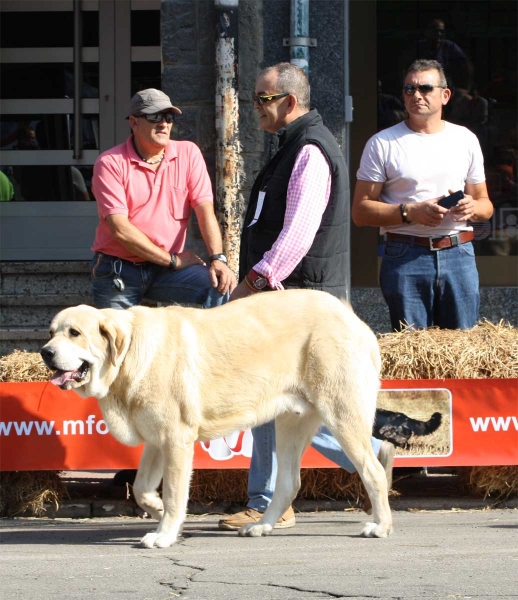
(36, 278)
(30, 340)
(31, 293)
(36, 311)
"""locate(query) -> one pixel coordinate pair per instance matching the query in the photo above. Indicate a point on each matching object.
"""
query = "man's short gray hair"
(421, 65)
(292, 79)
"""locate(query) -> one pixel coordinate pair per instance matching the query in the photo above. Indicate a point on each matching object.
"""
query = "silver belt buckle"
(430, 241)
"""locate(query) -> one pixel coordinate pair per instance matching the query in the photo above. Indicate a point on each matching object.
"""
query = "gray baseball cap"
(151, 101)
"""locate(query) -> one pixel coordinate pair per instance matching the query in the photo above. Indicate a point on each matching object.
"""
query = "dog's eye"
(73, 332)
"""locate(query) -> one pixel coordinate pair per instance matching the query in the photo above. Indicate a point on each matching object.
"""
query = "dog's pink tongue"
(60, 377)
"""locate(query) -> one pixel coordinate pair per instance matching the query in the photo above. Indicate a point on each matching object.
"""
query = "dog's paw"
(148, 541)
(374, 530)
(255, 530)
(158, 540)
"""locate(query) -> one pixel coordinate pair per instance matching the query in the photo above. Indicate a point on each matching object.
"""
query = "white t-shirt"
(415, 167)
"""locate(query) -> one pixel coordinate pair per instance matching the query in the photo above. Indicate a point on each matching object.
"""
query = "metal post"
(348, 117)
(299, 28)
(228, 175)
(78, 80)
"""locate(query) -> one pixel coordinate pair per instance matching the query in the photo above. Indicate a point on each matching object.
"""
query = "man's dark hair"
(421, 65)
(292, 79)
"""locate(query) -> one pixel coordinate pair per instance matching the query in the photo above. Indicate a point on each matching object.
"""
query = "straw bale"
(499, 483)
(23, 367)
(27, 492)
(230, 485)
(485, 351)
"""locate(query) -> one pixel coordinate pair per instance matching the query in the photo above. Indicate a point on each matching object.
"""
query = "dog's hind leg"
(293, 434)
(175, 493)
(147, 481)
(374, 479)
(352, 430)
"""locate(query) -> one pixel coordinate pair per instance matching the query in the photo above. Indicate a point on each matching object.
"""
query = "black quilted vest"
(324, 266)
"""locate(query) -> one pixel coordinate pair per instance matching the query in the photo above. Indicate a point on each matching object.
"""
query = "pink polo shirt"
(158, 203)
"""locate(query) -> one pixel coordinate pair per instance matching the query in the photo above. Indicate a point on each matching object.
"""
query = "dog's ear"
(116, 338)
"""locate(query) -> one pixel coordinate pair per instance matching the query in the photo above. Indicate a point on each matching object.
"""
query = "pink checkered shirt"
(308, 194)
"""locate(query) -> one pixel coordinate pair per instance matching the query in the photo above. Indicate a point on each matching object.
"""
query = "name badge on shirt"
(258, 208)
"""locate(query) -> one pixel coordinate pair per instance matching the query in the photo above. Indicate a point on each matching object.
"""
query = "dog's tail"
(425, 427)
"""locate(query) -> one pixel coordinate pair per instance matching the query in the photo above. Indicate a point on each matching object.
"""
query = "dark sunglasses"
(157, 117)
(424, 88)
(262, 99)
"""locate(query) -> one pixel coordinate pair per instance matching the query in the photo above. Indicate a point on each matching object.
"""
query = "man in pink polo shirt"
(145, 190)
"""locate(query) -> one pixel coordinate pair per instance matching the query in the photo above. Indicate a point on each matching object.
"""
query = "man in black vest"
(293, 237)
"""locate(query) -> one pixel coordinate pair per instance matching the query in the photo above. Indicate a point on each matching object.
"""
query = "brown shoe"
(253, 516)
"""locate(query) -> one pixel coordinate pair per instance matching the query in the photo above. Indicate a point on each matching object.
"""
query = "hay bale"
(499, 483)
(23, 367)
(485, 351)
(27, 492)
(230, 485)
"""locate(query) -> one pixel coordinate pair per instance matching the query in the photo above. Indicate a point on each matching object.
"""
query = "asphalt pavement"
(431, 554)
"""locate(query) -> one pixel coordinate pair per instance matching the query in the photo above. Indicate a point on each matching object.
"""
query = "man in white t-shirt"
(428, 273)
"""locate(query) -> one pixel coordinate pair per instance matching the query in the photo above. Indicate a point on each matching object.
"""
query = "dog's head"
(86, 348)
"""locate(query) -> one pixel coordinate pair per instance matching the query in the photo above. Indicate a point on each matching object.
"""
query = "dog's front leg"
(147, 481)
(175, 494)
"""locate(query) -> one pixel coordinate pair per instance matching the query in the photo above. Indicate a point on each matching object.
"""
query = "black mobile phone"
(451, 200)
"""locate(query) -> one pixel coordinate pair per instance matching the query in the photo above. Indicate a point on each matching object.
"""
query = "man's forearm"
(483, 210)
(139, 244)
(375, 213)
(209, 228)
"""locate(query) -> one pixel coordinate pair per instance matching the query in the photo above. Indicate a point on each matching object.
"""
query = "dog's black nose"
(47, 353)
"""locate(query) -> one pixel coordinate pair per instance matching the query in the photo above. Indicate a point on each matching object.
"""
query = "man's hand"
(427, 213)
(187, 259)
(222, 277)
(465, 209)
(242, 291)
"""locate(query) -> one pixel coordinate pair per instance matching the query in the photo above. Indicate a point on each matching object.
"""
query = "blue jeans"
(191, 285)
(425, 287)
(263, 468)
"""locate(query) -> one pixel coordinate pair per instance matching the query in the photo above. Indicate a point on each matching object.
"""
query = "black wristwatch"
(258, 281)
(221, 257)
(172, 264)
(404, 213)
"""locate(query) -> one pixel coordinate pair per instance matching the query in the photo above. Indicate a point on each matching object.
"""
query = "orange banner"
(452, 422)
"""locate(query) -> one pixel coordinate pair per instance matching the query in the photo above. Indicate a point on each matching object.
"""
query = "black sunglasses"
(424, 88)
(262, 99)
(157, 117)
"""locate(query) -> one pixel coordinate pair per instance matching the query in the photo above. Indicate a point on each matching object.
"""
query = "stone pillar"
(188, 77)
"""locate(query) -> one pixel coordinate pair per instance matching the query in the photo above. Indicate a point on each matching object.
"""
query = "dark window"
(52, 29)
(46, 132)
(46, 80)
(145, 75)
(44, 183)
(145, 28)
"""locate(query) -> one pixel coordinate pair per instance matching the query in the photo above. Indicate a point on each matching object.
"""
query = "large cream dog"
(171, 376)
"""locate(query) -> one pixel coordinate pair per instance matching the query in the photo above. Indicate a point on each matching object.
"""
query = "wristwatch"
(258, 281)
(404, 213)
(221, 257)
(172, 264)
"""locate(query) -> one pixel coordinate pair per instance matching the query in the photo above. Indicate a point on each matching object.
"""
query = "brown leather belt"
(439, 243)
